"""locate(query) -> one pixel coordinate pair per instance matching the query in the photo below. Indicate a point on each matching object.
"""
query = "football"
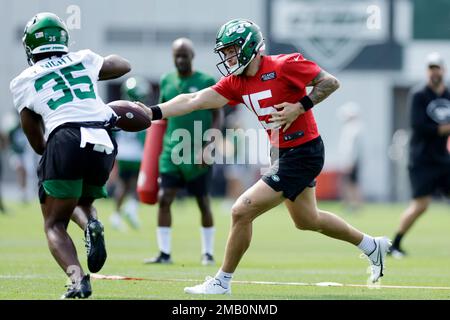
(131, 116)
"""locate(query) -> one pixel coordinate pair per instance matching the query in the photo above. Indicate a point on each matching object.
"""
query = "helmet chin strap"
(239, 70)
(242, 68)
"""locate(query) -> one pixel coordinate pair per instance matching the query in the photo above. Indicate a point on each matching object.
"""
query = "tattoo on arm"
(323, 85)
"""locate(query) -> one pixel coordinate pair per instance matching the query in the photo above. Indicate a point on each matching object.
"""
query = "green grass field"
(279, 253)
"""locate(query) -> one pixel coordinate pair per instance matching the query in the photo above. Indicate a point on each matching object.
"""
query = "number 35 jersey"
(62, 89)
(280, 78)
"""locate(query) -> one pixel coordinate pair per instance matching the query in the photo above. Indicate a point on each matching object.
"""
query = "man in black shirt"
(429, 158)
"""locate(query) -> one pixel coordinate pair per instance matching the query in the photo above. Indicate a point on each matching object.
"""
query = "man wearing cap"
(429, 158)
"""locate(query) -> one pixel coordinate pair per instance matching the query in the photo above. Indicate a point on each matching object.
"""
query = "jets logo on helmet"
(240, 28)
(45, 32)
(247, 40)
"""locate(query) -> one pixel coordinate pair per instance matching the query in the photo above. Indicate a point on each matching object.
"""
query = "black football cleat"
(397, 252)
(79, 290)
(207, 259)
(163, 258)
(95, 245)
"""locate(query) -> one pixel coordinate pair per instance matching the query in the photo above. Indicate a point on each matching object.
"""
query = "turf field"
(292, 261)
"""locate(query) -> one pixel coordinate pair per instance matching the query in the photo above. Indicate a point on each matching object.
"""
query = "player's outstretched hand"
(146, 109)
(287, 114)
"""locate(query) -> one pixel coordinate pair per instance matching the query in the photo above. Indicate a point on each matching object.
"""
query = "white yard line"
(278, 283)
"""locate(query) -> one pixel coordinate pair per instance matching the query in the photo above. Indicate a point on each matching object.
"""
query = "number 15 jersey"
(280, 78)
(62, 89)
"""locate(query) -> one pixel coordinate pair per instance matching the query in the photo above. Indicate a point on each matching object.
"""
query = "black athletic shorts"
(295, 168)
(68, 171)
(353, 175)
(198, 186)
(427, 180)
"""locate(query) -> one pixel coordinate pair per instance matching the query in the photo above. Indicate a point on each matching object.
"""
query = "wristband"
(306, 103)
(156, 112)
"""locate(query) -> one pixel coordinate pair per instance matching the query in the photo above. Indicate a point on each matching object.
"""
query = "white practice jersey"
(62, 89)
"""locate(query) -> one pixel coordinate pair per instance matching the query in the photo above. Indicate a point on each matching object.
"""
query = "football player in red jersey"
(274, 88)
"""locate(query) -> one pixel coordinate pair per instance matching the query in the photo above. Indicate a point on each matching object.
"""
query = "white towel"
(98, 137)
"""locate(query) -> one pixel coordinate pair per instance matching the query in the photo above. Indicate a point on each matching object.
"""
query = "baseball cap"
(434, 59)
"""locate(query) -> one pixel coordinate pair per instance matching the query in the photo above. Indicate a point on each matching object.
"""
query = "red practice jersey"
(281, 78)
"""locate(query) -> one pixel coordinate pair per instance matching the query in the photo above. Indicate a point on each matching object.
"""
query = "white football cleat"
(116, 221)
(377, 258)
(210, 286)
(131, 213)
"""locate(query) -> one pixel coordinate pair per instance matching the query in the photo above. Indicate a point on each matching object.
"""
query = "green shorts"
(186, 172)
(128, 169)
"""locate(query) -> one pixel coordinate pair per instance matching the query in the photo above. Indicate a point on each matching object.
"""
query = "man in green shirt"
(193, 174)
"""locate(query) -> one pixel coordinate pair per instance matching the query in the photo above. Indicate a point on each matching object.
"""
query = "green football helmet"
(45, 32)
(135, 89)
(248, 40)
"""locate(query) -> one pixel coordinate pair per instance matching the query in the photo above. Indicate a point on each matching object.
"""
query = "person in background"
(350, 153)
(194, 176)
(239, 176)
(429, 157)
(130, 149)
(23, 159)
(2, 147)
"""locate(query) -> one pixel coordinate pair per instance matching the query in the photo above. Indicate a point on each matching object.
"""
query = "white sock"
(208, 240)
(367, 244)
(163, 235)
(224, 277)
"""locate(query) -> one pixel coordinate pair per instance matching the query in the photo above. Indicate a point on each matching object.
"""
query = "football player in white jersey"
(66, 122)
